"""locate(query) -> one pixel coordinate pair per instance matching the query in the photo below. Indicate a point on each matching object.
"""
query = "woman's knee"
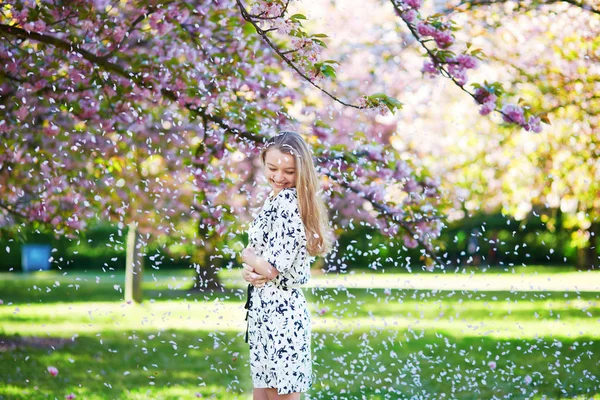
(272, 394)
(260, 394)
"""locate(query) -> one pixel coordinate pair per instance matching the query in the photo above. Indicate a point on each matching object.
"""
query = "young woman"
(290, 230)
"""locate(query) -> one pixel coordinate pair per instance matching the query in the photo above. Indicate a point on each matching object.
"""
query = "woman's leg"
(272, 395)
(260, 394)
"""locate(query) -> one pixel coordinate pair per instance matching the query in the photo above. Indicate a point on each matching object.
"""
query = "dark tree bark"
(587, 257)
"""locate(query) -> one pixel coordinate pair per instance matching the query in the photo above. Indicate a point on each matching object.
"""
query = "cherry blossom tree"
(150, 114)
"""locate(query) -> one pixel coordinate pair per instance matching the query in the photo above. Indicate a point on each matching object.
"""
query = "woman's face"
(280, 169)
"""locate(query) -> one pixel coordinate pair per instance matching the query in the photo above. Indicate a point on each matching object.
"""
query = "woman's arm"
(260, 265)
(250, 276)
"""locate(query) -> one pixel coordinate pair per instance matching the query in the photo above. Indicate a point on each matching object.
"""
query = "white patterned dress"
(279, 325)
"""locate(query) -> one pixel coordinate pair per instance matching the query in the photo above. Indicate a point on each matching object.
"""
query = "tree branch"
(267, 40)
(11, 211)
(130, 30)
(287, 3)
(117, 69)
(476, 3)
(440, 64)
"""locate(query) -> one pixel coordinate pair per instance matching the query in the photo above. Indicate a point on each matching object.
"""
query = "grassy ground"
(372, 338)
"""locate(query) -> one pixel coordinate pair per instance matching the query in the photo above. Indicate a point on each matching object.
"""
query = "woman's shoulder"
(286, 198)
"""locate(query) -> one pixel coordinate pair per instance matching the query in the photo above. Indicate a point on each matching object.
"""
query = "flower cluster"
(515, 114)
(441, 34)
(487, 99)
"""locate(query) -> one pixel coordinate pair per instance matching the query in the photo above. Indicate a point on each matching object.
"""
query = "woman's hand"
(252, 277)
(248, 255)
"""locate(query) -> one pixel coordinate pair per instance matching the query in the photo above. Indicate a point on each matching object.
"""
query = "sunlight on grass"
(502, 319)
(375, 342)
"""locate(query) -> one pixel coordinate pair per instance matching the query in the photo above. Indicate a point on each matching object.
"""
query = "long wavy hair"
(312, 207)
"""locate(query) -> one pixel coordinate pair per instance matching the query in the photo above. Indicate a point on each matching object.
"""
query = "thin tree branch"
(476, 3)
(11, 211)
(130, 30)
(440, 64)
(287, 3)
(267, 40)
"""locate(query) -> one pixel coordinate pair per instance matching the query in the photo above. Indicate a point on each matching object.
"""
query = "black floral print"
(279, 325)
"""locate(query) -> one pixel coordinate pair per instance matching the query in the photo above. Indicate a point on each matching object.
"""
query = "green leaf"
(320, 35)
(391, 103)
(377, 96)
(297, 16)
(319, 42)
(395, 102)
(328, 71)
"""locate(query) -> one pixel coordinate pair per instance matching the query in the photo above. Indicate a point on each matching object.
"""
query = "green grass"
(370, 342)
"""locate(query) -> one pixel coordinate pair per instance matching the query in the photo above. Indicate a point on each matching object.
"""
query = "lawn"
(521, 335)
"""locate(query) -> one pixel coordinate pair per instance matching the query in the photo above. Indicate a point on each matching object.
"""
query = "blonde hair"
(312, 207)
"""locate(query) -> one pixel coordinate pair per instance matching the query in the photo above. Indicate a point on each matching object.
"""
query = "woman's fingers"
(246, 276)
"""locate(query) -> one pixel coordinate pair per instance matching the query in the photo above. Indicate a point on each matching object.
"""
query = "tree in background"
(554, 68)
(148, 113)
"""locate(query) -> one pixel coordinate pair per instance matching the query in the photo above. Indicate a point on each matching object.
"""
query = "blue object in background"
(35, 257)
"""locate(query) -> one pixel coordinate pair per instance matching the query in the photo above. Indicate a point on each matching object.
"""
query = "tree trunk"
(134, 266)
(587, 258)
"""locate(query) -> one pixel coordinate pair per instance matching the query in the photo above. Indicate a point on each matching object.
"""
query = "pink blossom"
(430, 68)
(443, 38)
(410, 186)
(53, 371)
(482, 95)
(487, 108)
(87, 25)
(283, 26)
(402, 171)
(21, 113)
(118, 34)
(458, 73)
(534, 124)
(387, 291)
(424, 29)
(513, 113)
(527, 380)
(467, 61)
(492, 364)
(20, 15)
(322, 311)
(410, 242)
(363, 102)
(39, 25)
(70, 396)
(382, 109)
(414, 4)
(409, 15)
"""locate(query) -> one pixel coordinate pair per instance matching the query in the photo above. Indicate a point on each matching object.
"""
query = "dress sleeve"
(287, 236)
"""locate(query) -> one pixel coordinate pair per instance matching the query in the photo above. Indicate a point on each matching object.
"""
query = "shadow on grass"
(377, 364)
